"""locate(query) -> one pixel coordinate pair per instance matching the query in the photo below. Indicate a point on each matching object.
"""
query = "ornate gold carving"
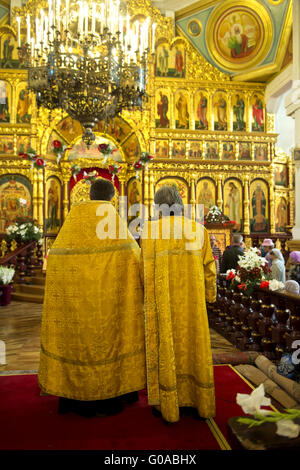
(81, 192)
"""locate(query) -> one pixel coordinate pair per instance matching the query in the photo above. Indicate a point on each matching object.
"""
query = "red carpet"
(29, 421)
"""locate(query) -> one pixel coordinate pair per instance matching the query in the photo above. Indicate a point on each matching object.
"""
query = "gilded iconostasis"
(210, 135)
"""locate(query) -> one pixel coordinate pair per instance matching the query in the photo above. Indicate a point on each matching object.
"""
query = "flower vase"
(5, 294)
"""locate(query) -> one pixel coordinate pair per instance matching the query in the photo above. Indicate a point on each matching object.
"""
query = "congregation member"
(294, 267)
(266, 247)
(231, 255)
(277, 266)
(92, 337)
(292, 287)
(179, 278)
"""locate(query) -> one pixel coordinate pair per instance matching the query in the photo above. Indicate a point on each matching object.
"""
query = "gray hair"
(168, 197)
(237, 238)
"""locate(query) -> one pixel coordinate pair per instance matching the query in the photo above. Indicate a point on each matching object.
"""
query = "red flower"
(23, 155)
(102, 147)
(264, 284)
(150, 157)
(230, 276)
(137, 165)
(114, 150)
(39, 162)
(232, 222)
(56, 144)
(242, 286)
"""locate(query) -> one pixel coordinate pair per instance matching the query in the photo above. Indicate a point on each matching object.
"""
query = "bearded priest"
(179, 278)
(92, 337)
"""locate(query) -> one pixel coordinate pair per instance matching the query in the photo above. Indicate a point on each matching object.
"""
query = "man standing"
(92, 338)
(179, 278)
(231, 255)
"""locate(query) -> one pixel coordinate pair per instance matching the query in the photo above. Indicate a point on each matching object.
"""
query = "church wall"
(200, 126)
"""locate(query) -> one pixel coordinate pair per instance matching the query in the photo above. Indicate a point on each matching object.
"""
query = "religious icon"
(7, 145)
(258, 113)
(134, 192)
(4, 106)
(179, 62)
(69, 129)
(239, 123)
(24, 106)
(178, 149)
(131, 147)
(228, 151)
(206, 194)
(7, 53)
(161, 149)
(233, 202)
(177, 183)
(220, 119)
(281, 215)
(23, 144)
(53, 205)
(244, 151)
(162, 61)
(182, 111)
(162, 108)
(259, 207)
(201, 103)
(261, 152)
(194, 28)
(12, 189)
(195, 150)
(79, 150)
(211, 151)
(281, 175)
(54, 136)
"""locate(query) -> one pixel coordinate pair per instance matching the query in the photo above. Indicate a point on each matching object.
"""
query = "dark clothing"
(230, 258)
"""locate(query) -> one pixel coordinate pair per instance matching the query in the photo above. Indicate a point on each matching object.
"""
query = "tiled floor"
(20, 325)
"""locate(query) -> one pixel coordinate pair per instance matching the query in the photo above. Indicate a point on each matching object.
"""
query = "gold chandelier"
(87, 58)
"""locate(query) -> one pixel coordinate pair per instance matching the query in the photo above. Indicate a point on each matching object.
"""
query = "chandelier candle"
(87, 58)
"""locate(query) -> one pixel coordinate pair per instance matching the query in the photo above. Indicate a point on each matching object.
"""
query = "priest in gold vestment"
(179, 278)
(92, 338)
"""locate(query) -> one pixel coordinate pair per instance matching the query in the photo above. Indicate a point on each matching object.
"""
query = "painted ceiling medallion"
(239, 36)
(194, 28)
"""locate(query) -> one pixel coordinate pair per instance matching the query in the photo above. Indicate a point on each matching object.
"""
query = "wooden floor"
(20, 326)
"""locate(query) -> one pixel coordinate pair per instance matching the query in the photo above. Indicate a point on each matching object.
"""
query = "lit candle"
(45, 32)
(93, 18)
(86, 19)
(54, 13)
(19, 31)
(153, 37)
(67, 14)
(37, 30)
(121, 28)
(32, 47)
(58, 14)
(42, 24)
(28, 28)
(106, 12)
(80, 18)
(118, 14)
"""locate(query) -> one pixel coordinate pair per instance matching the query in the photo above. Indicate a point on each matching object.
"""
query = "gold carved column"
(151, 191)
(35, 195)
(291, 169)
(122, 202)
(272, 203)
(193, 196)
(146, 195)
(246, 215)
(40, 197)
(66, 198)
(220, 195)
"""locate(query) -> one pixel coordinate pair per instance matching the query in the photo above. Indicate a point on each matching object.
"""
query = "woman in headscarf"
(292, 287)
(294, 262)
(278, 267)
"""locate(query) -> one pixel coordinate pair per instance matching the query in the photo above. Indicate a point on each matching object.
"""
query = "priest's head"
(169, 201)
(102, 190)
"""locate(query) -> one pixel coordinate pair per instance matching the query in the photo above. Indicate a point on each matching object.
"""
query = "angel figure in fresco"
(259, 204)
(258, 114)
(183, 114)
(162, 110)
(239, 112)
(202, 112)
(206, 197)
(221, 106)
(179, 62)
(233, 204)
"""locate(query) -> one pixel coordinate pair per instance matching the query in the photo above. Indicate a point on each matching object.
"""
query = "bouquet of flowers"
(114, 170)
(106, 150)
(273, 284)
(90, 177)
(75, 171)
(215, 216)
(24, 230)
(6, 275)
(36, 161)
(251, 271)
(142, 162)
(59, 148)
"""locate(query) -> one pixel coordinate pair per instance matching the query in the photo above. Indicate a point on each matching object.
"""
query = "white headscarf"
(277, 253)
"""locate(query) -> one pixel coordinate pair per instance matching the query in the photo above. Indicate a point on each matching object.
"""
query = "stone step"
(29, 289)
(38, 280)
(21, 297)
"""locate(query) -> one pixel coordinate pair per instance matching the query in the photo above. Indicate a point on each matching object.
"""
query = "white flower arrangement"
(251, 404)
(275, 285)
(6, 275)
(251, 259)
